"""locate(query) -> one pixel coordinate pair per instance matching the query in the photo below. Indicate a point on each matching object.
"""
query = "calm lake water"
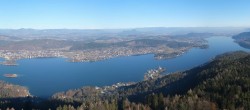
(46, 76)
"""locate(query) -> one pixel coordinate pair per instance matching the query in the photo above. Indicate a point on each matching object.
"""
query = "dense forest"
(8, 90)
(222, 83)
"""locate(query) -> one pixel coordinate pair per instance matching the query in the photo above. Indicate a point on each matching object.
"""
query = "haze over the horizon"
(102, 14)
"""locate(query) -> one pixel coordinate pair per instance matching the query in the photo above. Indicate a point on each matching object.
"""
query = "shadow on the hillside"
(29, 103)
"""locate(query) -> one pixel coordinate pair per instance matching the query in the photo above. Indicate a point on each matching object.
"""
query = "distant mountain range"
(97, 33)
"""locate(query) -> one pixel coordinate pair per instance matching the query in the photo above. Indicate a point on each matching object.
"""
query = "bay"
(45, 76)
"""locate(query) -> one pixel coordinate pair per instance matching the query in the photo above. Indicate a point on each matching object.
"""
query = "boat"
(10, 75)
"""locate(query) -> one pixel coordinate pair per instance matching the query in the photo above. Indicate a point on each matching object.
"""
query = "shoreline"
(157, 56)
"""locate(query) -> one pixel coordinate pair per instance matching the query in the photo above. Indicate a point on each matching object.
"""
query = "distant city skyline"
(113, 14)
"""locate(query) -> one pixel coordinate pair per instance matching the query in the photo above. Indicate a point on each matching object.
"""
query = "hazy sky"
(87, 14)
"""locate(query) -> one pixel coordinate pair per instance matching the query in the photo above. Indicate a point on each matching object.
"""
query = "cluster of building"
(11, 56)
(106, 53)
(153, 73)
(22, 54)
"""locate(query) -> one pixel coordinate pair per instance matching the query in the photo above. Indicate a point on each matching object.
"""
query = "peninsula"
(87, 49)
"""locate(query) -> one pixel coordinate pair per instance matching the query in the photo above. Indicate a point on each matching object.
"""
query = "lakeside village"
(154, 73)
(151, 74)
(11, 56)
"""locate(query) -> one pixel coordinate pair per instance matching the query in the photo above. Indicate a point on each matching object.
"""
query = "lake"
(46, 76)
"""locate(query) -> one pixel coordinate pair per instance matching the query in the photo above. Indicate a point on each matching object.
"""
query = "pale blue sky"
(92, 14)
